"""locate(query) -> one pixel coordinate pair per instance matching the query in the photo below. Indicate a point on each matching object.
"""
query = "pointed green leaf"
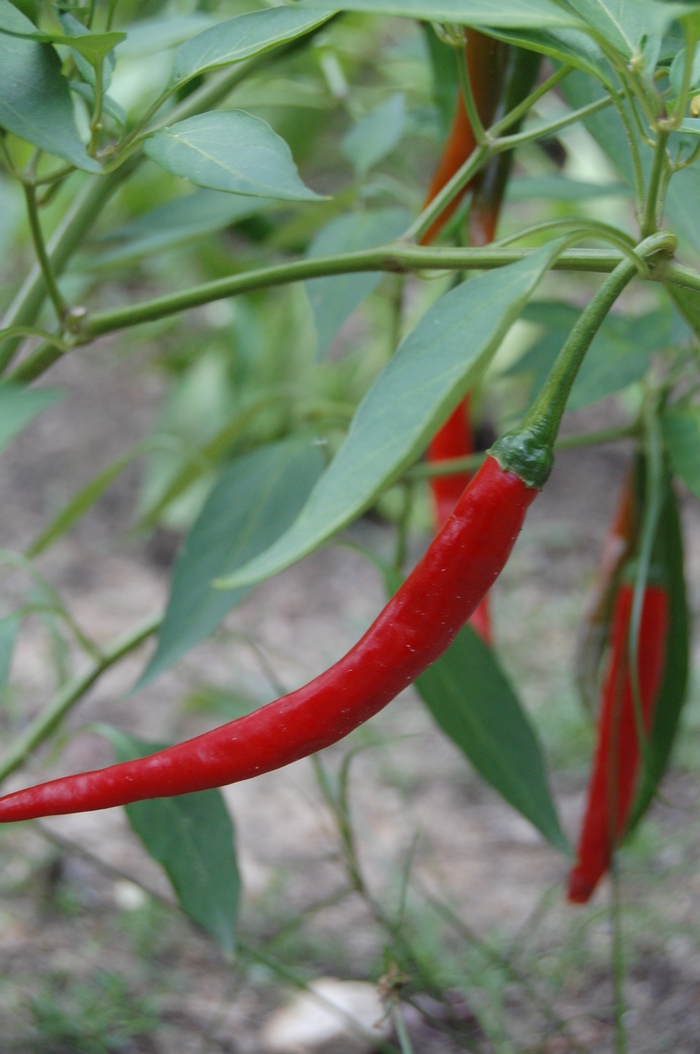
(19, 406)
(256, 499)
(35, 102)
(239, 38)
(151, 36)
(474, 703)
(632, 29)
(375, 136)
(570, 46)
(334, 299)
(432, 369)
(532, 14)
(681, 431)
(673, 692)
(687, 303)
(192, 837)
(176, 223)
(230, 150)
(12, 21)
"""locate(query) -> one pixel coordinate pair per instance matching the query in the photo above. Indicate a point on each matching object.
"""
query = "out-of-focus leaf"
(333, 299)
(230, 150)
(445, 83)
(176, 223)
(618, 355)
(673, 692)
(86, 498)
(192, 838)
(687, 301)
(557, 188)
(109, 106)
(681, 431)
(474, 703)
(154, 35)
(19, 406)
(434, 366)
(35, 100)
(527, 14)
(12, 21)
(241, 37)
(375, 136)
(255, 500)
(8, 635)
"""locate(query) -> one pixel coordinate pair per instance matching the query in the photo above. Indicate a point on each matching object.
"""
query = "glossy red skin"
(412, 631)
(618, 755)
(455, 440)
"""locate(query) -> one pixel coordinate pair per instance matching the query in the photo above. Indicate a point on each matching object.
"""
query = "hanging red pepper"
(419, 622)
(486, 73)
(618, 753)
(417, 625)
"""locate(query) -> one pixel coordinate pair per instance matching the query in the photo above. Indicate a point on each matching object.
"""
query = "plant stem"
(96, 122)
(397, 257)
(41, 727)
(509, 142)
(528, 449)
(425, 219)
(618, 961)
(455, 465)
(54, 292)
(653, 202)
(519, 111)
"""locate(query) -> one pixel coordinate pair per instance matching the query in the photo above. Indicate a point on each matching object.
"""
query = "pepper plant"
(258, 493)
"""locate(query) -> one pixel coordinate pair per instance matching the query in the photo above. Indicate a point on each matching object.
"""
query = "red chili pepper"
(618, 753)
(455, 438)
(417, 625)
(595, 626)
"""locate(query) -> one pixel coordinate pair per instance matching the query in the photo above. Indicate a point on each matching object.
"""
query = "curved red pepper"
(618, 754)
(417, 625)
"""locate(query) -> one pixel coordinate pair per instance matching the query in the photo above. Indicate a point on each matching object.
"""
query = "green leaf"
(444, 70)
(19, 406)
(526, 14)
(618, 355)
(632, 29)
(12, 21)
(334, 299)
(256, 499)
(691, 125)
(35, 102)
(192, 837)
(8, 635)
(176, 223)
(239, 38)
(673, 692)
(434, 366)
(557, 188)
(230, 150)
(375, 136)
(687, 303)
(473, 702)
(682, 204)
(681, 431)
(570, 46)
(155, 35)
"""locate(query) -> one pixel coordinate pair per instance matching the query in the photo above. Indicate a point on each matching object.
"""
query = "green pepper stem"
(529, 449)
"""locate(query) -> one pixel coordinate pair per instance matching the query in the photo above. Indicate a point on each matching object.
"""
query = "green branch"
(60, 306)
(41, 727)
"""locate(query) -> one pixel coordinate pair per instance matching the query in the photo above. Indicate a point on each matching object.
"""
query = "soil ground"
(87, 955)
